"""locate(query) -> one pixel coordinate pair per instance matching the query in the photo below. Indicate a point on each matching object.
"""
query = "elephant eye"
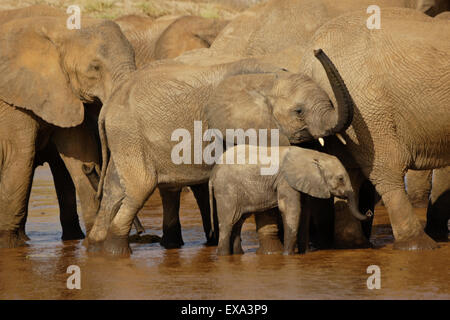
(299, 109)
(94, 66)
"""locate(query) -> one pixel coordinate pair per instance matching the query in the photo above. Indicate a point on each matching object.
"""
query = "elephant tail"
(105, 159)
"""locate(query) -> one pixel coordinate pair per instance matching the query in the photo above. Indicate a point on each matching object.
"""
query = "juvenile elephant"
(161, 101)
(394, 129)
(242, 189)
(47, 73)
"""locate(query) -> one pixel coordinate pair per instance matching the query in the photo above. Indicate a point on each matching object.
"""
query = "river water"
(39, 271)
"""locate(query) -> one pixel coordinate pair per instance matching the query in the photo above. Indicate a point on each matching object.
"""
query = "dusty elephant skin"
(165, 38)
(271, 32)
(208, 93)
(42, 89)
(240, 189)
(384, 152)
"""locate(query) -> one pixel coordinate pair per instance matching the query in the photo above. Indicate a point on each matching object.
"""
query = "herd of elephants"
(363, 116)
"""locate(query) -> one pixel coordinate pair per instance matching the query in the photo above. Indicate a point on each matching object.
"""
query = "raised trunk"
(342, 116)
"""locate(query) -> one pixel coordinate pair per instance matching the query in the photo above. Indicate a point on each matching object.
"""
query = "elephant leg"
(172, 237)
(66, 193)
(418, 187)
(348, 232)
(22, 232)
(316, 224)
(303, 234)
(91, 171)
(290, 209)
(110, 203)
(407, 229)
(267, 228)
(438, 212)
(77, 147)
(18, 132)
(235, 239)
(201, 194)
(137, 182)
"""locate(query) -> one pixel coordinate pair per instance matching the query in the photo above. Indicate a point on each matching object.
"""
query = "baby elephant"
(250, 186)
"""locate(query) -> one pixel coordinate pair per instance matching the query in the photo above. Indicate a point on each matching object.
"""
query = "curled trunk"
(343, 114)
(354, 208)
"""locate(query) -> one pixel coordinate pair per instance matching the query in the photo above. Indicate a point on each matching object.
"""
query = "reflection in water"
(196, 272)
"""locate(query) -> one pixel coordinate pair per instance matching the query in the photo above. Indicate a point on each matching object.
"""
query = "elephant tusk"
(322, 142)
(341, 138)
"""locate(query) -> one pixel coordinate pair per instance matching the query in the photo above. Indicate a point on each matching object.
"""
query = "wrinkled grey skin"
(64, 185)
(50, 110)
(384, 153)
(418, 187)
(242, 189)
(165, 38)
(158, 100)
(274, 34)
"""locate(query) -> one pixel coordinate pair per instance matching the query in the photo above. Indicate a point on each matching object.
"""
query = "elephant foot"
(11, 239)
(75, 234)
(171, 242)
(418, 242)
(270, 246)
(116, 246)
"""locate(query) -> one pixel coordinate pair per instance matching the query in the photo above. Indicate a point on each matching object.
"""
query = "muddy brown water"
(195, 272)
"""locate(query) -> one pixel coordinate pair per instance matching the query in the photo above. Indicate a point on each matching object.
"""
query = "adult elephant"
(271, 32)
(169, 36)
(394, 128)
(44, 82)
(64, 186)
(173, 99)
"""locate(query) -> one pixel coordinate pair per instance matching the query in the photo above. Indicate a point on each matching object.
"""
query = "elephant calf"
(241, 189)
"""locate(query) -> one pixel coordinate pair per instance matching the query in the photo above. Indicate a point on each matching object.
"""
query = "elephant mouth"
(300, 136)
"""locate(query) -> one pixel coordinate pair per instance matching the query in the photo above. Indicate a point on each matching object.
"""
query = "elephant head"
(293, 103)
(51, 70)
(320, 175)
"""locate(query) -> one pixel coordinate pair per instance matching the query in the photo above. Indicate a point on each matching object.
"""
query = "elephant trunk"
(343, 114)
(354, 208)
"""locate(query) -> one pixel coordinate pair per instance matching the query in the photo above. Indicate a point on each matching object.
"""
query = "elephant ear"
(303, 173)
(32, 77)
(240, 102)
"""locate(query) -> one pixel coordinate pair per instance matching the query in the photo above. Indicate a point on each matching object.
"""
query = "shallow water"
(195, 272)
